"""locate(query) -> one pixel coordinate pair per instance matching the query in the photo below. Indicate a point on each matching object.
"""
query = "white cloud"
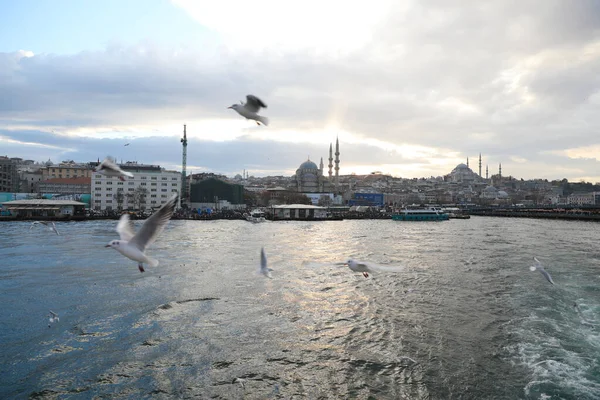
(419, 85)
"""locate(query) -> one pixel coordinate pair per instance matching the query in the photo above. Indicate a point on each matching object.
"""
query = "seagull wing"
(154, 225)
(125, 228)
(54, 228)
(546, 275)
(263, 260)
(253, 103)
(386, 268)
(108, 165)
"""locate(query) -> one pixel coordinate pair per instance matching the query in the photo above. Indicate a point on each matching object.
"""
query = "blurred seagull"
(53, 317)
(263, 264)
(539, 267)
(366, 267)
(132, 245)
(250, 109)
(109, 168)
(127, 144)
(49, 224)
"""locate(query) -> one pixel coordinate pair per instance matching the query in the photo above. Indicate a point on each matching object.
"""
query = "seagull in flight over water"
(109, 168)
(53, 317)
(366, 267)
(251, 108)
(49, 224)
(263, 264)
(132, 245)
(539, 267)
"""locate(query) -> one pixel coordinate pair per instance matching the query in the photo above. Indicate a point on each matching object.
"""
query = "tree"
(137, 197)
(119, 197)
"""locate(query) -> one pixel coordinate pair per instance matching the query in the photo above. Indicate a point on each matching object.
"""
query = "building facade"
(150, 187)
(68, 169)
(9, 176)
(215, 193)
(65, 185)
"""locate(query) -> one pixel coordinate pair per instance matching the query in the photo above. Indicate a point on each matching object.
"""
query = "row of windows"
(164, 178)
(110, 201)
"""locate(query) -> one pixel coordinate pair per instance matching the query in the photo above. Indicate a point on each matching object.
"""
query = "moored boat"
(421, 214)
(256, 216)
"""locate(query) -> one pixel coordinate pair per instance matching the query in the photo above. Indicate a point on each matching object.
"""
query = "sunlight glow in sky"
(410, 88)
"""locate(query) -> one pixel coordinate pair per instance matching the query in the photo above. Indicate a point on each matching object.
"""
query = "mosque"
(310, 179)
(463, 174)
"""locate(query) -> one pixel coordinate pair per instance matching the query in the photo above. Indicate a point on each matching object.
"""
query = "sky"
(410, 88)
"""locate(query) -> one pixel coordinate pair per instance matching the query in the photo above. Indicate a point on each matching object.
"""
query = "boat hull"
(420, 217)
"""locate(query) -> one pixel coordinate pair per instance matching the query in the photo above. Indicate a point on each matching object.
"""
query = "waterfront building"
(67, 169)
(65, 185)
(150, 187)
(215, 193)
(34, 208)
(298, 211)
(9, 176)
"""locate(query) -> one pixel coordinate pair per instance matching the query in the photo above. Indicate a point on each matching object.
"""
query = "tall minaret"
(330, 162)
(337, 163)
(467, 162)
(486, 171)
(480, 165)
(500, 170)
(321, 166)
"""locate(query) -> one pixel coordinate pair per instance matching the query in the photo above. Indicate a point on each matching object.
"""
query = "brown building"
(66, 170)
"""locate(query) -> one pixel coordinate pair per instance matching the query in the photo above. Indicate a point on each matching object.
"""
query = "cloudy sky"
(411, 88)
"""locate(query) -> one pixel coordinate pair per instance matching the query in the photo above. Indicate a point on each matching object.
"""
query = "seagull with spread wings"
(250, 109)
(132, 245)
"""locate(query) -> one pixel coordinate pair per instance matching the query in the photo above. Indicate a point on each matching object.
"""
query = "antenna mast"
(183, 163)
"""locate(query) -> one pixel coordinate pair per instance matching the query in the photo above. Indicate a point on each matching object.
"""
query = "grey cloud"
(391, 90)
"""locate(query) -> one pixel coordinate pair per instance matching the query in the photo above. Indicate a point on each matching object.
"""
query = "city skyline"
(411, 89)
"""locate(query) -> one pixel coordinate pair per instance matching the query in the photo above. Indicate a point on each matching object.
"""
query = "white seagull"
(132, 245)
(250, 109)
(263, 264)
(366, 267)
(53, 317)
(109, 168)
(49, 224)
(539, 267)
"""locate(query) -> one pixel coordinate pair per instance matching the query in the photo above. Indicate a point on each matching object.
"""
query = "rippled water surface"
(465, 320)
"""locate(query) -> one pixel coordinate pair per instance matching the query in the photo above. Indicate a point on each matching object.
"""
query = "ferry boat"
(421, 214)
(256, 216)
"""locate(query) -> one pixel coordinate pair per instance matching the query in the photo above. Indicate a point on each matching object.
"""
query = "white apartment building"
(150, 187)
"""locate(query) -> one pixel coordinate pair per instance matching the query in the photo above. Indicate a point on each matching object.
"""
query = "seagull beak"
(230, 107)
(108, 245)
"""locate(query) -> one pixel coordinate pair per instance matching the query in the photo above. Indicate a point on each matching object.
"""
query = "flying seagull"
(251, 108)
(127, 144)
(49, 224)
(52, 317)
(132, 245)
(109, 168)
(366, 267)
(539, 267)
(263, 264)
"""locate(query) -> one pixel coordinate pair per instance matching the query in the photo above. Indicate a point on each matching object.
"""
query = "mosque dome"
(308, 165)
(461, 166)
(502, 194)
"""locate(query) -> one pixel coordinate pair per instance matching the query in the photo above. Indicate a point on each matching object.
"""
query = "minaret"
(337, 164)
(486, 171)
(500, 170)
(480, 165)
(330, 162)
(321, 166)
(467, 162)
